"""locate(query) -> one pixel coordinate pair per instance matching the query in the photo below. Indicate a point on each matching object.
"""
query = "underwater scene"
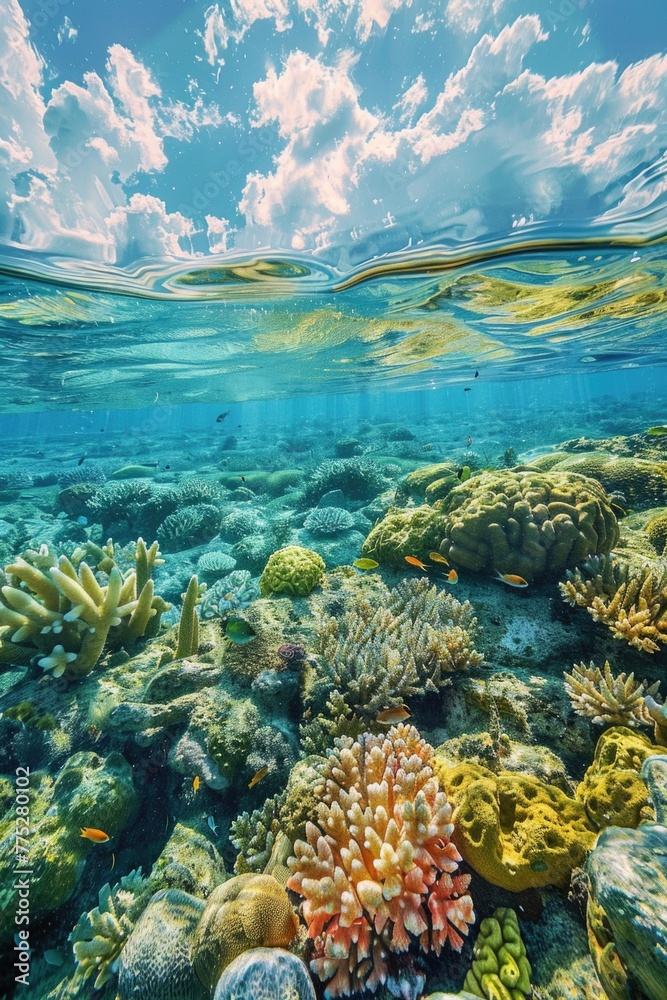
(333, 500)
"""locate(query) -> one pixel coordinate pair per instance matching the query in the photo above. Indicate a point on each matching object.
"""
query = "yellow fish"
(97, 836)
(510, 579)
(658, 431)
(196, 782)
(413, 561)
(365, 563)
(256, 778)
(391, 716)
(437, 558)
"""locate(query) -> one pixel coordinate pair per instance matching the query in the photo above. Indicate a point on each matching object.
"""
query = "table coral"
(500, 969)
(292, 570)
(379, 869)
(61, 609)
(248, 911)
(265, 974)
(608, 700)
(517, 832)
(632, 604)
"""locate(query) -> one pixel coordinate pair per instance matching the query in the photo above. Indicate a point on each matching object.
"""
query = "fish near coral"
(413, 561)
(256, 778)
(391, 716)
(96, 836)
(511, 579)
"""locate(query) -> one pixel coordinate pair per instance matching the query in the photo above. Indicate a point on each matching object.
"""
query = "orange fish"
(413, 561)
(196, 782)
(97, 836)
(510, 579)
(437, 558)
(256, 778)
(453, 577)
(391, 716)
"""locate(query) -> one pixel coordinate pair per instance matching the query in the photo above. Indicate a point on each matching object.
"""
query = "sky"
(344, 129)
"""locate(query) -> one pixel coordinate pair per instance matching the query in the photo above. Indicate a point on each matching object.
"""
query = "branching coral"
(195, 490)
(356, 478)
(100, 935)
(632, 604)
(62, 610)
(613, 701)
(379, 870)
(254, 834)
(137, 505)
(189, 526)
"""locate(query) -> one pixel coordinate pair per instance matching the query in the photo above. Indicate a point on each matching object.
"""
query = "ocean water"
(333, 501)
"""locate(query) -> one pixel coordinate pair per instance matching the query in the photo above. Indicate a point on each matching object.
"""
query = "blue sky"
(341, 128)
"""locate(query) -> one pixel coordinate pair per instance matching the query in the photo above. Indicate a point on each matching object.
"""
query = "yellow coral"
(612, 791)
(517, 832)
(247, 911)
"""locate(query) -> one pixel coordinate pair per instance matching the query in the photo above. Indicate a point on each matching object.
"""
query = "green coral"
(656, 529)
(29, 715)
(519, 521)
(431, 483)
(643, 484)
(500, 969)
(57, 610)
(293, 570)
(189, 861)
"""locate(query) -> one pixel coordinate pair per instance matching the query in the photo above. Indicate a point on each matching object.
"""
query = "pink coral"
(380, 869)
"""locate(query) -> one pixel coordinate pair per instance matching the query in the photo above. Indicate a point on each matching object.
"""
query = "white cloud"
(376, 14)
(67, 32)
(218, 232)
(144, 228)
(469, 15)
(220, 30)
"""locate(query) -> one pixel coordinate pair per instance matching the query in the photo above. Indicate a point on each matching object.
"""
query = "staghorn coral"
(379, 870)
(518, 521)
(293, 570)
(324, 521)
(189, 526)
(58, 611)
(232, 593)
(265, 974)
(500, 969)
(82, 474)
(247, 911)
(631, 603)
(613, 701)
(100, 935)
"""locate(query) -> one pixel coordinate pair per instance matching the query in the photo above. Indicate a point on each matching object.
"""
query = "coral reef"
(189, 526)
(58, 612)
(265, 974)
(325, 521)
(247, 911)
(379, 869)
(214, 564)
(642, 483)
(516, 831)
(188, 625)
(500, 969)
(632, 604)
(357, 478)
(292, 570)
(612, 791)
(656, 529)
(612, 701)
(131, 508)
(233, 593)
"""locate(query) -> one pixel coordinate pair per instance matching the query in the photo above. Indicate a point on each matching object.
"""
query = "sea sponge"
(596, 694)
(248, 911)
(631, 603)
(324, 521)
(656, 529)
(59, 608)
(515, 831)
(612, 791)
(265, 974)
(379, 869)
(292, 570)
(500, 969)
(156, 962)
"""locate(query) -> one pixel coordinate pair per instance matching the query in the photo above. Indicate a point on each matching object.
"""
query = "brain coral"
(247, 911)
(265, 974)
(516, 832)
(643, 484)
(379, 870)
(292, 570)
(517, 521)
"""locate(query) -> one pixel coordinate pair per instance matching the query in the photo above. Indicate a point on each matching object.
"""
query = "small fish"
(413, 561)
(212, 827)
(437, 558)
(167, 467)
(243, 479)
(221, 417)
(453, 577)
(469, 442)
(463, 473)
(476, 374)
(81, 460)
(511, 579)
(467, 389)
(196, 782)
(239, 630)
(54, 957)
(365, 563)
(658, 431)
(392, 716)
(256, 778)
(97, 836)
(113, 861)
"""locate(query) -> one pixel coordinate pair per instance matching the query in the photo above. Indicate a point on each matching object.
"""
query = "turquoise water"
(333, 500)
